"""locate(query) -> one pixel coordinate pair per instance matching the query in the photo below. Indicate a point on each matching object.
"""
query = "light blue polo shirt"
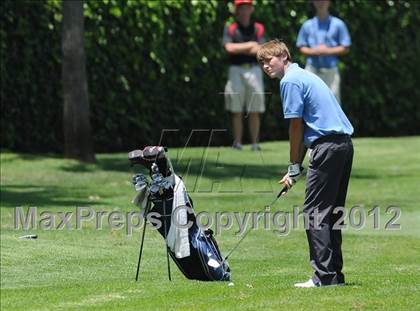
(332, 32)
(305, 95)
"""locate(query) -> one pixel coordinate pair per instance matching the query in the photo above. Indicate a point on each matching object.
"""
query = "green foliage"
(30, 76)
(156, 65)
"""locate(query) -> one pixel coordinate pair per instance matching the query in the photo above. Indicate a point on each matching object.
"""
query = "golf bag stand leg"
(166, 236)
(146, 211)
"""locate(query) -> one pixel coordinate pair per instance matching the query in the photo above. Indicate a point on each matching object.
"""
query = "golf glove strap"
(293, 173)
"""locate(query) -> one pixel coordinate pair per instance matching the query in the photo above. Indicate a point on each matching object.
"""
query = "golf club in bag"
(194, 251)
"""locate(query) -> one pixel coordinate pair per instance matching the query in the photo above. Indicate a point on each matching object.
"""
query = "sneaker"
(255, 147)
(237, 146)
(310, 283)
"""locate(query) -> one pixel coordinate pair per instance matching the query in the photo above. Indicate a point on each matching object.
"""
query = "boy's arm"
(293, 104)
(297, 148)
(297, 152)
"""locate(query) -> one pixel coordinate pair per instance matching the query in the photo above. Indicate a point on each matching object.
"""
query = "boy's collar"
(291, 66)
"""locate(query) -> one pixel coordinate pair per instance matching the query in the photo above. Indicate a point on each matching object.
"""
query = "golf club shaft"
(166, 236)
(282, 192)
(142, 239)
(141, 250)
(237, 244)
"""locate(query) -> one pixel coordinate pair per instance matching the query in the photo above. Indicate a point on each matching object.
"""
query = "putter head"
(149, 155)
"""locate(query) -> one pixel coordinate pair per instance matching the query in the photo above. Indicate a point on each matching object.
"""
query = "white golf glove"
(294, 171)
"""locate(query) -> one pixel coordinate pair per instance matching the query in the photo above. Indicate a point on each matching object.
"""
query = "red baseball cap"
(241, 2)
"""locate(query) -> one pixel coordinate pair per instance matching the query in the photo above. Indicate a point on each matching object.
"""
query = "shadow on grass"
(194, 167)
(31, 157)
(190, 167)
(363, 174)
(354, 284)
(221, 171)
(40, 196)
(116, 164)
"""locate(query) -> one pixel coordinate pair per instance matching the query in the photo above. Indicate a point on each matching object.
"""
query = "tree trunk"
(76, 123)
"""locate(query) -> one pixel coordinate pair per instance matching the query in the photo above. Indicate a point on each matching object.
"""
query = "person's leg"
(336, 239)
(234, 102)
(237, 128)
(254, 126)
(255, 103)
(324, 175)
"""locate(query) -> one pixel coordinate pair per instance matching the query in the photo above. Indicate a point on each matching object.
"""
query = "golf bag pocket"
(205, 262)
(208, 251)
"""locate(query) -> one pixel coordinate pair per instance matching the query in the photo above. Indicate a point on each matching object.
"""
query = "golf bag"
(198, 257)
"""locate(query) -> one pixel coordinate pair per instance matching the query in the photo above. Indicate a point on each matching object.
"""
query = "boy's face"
(274, 66)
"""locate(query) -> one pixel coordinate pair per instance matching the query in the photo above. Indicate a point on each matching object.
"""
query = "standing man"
(317, 122)
(244, 89)
(323, 38)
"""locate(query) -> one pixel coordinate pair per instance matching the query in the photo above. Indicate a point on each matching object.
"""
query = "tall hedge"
(156, 65)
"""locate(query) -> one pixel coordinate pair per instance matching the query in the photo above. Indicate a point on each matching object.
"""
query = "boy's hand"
(294, 172)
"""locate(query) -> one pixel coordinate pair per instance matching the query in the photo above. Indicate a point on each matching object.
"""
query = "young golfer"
(316, 122)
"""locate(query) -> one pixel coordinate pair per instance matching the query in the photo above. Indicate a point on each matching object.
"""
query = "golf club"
(267, 207)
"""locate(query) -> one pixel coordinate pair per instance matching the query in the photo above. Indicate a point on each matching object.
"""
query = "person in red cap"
(240, 2)
(244, 90)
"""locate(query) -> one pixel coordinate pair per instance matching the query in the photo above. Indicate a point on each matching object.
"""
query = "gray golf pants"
(326, 188)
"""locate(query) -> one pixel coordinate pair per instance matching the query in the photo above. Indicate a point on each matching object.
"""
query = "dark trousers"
(326, 188)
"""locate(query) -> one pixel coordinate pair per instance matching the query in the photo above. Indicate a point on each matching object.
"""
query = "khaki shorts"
(245, 89)
(331, 77)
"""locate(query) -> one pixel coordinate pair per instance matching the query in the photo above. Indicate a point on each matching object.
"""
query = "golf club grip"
(282, 191)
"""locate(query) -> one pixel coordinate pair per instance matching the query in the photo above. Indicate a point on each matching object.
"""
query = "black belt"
(331, 138)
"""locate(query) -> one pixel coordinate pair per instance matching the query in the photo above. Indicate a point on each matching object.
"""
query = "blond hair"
(272, 48)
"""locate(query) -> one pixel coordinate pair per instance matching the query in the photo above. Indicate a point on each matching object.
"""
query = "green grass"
(91, 269)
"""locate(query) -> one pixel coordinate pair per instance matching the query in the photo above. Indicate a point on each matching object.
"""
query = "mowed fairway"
(89, 269)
